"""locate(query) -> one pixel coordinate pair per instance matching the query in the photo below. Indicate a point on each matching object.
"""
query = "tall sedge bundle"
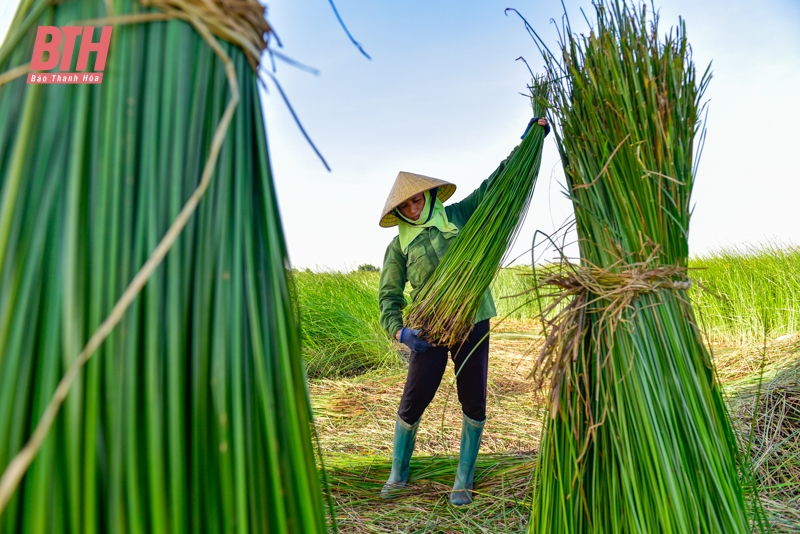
(638, 438)
(193, 415)
(446, 305)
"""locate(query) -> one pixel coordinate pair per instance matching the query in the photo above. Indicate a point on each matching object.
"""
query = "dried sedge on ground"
(767, 415)
(173, 425)
(503, 484)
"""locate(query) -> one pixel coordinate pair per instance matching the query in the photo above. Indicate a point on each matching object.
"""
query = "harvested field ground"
(356, 415)
(355, 422)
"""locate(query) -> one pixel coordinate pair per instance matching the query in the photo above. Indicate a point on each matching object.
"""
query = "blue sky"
(440, 97)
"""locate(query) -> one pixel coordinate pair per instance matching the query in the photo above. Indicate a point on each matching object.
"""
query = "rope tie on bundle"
(588, 296)
(606, 294)
(241, 22)
(606, 284)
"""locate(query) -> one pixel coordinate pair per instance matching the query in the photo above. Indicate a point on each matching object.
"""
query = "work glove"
(533, 122)
(409, 338)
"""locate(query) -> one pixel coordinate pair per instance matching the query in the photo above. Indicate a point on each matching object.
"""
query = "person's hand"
(541, 121)
(408, 337)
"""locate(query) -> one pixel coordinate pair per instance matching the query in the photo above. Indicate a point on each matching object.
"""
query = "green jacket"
(423, 256)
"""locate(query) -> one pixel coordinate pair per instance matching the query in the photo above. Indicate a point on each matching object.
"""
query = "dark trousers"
(425, 371)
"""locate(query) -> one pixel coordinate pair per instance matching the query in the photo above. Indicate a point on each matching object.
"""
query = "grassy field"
(740, 299)
(747, 297)
(341, 332)
(356, 385)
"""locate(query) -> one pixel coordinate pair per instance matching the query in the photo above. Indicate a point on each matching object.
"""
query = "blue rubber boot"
(471, 431)
(405, 436)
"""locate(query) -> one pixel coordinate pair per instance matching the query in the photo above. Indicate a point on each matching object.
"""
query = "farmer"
(426, 229)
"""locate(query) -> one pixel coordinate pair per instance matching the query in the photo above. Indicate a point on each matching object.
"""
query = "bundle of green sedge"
(143, 285)
(637, 439)
(446, 305)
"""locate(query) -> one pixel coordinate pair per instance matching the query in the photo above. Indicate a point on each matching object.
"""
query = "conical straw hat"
(408, 184)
